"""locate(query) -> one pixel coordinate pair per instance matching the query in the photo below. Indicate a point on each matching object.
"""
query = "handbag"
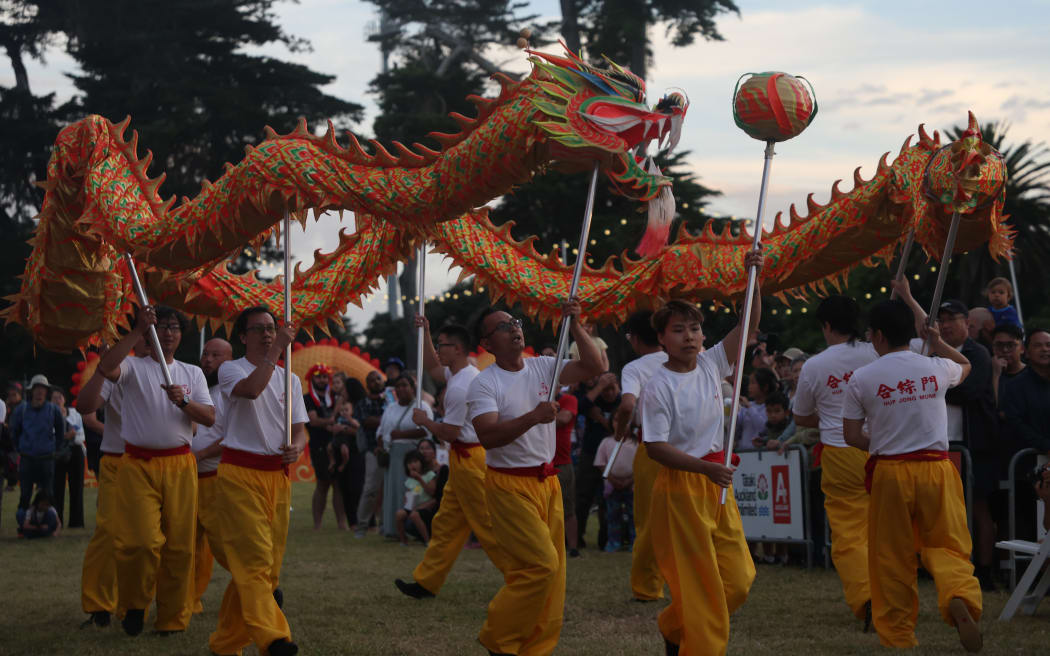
(382, 455)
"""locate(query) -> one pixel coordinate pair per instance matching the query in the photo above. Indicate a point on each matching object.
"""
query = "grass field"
(340, 599)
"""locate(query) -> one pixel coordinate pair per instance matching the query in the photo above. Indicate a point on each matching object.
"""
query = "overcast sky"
(880, 67)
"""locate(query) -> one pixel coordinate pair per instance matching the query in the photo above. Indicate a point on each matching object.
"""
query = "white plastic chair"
(1028, 593)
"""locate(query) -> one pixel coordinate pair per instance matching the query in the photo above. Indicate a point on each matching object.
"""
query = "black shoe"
(100, 618)
(574, 553)
(133, 621)
(670, 648)
(282, 647)
(413, 589)
(160, 633)
(278, 596)
(642, 601)
(867, 617)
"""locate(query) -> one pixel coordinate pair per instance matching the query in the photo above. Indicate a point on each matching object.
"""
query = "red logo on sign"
(781, 494)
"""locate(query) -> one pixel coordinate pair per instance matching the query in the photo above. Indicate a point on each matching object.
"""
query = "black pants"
(72, 469)
(589, 485)
(349, 483)
(38, 471)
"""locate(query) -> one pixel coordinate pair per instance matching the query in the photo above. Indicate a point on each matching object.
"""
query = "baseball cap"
(39, 379)
(954, 306)
(793, 353)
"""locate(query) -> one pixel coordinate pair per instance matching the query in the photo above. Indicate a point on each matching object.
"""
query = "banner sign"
(768, 489)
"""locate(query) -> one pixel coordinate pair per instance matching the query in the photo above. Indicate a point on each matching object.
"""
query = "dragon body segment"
(100, 203)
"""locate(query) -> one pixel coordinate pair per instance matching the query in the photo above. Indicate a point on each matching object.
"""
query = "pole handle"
(563, 333)
(287, 320)
(749, 296)
(154, 341)
(421, 267)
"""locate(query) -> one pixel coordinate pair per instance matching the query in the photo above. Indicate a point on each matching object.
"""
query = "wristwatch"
(183, 403)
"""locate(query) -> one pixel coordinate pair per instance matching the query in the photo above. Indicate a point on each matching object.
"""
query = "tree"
(620, 28)
(438, 48)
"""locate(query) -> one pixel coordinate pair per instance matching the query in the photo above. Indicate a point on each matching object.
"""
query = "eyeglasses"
(1005, 346)
(505, 326)
(169, 328)
(259, 330)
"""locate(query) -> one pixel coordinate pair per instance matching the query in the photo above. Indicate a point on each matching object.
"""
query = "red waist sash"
(253, 460)
(719, 457)
(925, 455)
(207, 474)
(463, 449)
(541, 472)
(142, 453)
(111, 455)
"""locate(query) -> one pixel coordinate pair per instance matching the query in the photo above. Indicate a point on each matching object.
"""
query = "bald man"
(207, 448)
(981, 323)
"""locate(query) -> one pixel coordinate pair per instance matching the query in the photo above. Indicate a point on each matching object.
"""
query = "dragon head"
(600, 114)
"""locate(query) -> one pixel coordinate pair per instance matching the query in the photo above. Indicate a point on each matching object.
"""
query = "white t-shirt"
(624, 465)
(208, 435)
(76, 422)
(512, 394)
(148, 418)
(112, 442)
(955, 412)
(257, 425)
(902, 396)
(3, 412)
(636, 374)
(456, 389)
(397, 417)
(686, 410)
(822, 386)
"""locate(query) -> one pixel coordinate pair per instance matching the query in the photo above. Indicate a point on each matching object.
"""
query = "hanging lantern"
(773, 106)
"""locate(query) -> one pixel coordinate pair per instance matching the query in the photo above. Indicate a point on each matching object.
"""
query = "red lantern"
(773, 106)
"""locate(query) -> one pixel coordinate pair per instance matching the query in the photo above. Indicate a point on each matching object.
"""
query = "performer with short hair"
(698, 541)
(98, 581)
(818, 404)
(514, 421)
(646, 582)
(157, 482)
(463, 506)
(916, 493)
(253, 490)
(207, 447)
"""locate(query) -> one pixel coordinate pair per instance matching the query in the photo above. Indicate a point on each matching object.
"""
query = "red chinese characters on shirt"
(885, 391)
(906, 386)
(908, 389)
(834, 382)
(930, 380)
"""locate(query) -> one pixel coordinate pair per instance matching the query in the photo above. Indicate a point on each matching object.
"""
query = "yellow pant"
(98, 583)
(202, 552)
(704, 558)
(525, 616)
(463, 509)
(846, 505)
(917, 506)
(646, 582)
(254, 508)
(154, 538)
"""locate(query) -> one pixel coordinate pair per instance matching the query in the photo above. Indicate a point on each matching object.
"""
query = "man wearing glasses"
(463, 506)
(1007, 341)
(157, 484)
(252, 490)
(514, 421)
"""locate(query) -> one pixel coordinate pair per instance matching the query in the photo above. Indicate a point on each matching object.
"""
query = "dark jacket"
(1026, 404)
(976, 397)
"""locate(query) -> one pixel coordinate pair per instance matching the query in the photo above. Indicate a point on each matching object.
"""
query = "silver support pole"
(154, 342)
(203, 328)
(942, 272)
(1017, 291)
(287, 320)
(421, 269)
(581, 257)
(903, 263)
(745, 322)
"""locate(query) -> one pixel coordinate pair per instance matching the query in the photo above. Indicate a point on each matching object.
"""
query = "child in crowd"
(39, 520)
(618, 491)
(778, 422)
(344, 435)
(1000, 293)
(416, 498)
(751, 419)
